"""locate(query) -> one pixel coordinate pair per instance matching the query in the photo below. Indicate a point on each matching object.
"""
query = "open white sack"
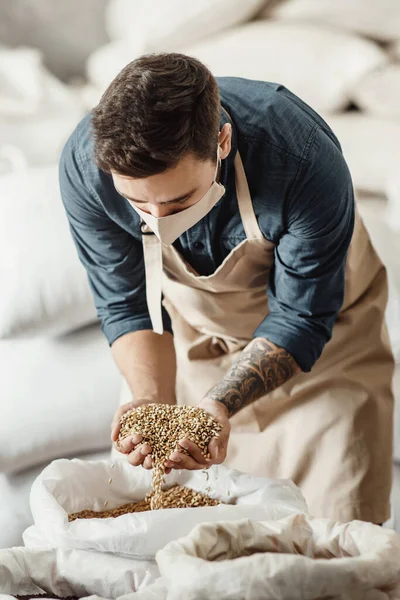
(155, 591)
(69, 486)
(296, 558)
(63, 572)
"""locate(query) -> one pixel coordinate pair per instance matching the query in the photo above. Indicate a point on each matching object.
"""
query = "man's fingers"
(183, 461)
(170, 464)
(214, 450)
(148, 462)
(115, 424)
(129, 443)
(135, 458)
(193, 450)
(195, 459)
(138, 455)
(115, 429)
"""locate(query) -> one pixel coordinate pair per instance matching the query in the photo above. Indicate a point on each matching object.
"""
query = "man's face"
(169, 192)
(176, 189)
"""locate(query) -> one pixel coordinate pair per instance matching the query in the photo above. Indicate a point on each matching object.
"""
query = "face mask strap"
(217, 166)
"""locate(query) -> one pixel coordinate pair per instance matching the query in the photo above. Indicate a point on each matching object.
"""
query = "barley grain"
(175, 497)
(162, 426)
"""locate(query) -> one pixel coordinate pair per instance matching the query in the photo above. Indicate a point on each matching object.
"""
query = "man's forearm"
(261, 368)
(148, 363)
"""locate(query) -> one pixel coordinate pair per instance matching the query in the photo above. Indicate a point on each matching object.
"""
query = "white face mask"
(169, 228)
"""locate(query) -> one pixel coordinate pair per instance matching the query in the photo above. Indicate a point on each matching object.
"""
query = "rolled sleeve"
(306, 285)
(113, 259)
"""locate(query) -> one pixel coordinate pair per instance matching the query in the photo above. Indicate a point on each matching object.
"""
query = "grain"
(175, 497)
(162, 427)
(115, 512)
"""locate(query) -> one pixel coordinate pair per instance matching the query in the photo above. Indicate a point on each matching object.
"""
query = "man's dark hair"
(159, 108)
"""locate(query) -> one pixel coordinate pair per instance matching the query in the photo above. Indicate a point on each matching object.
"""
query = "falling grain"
(162, 426)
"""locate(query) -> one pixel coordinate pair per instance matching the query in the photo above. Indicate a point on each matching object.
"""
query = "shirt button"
(198, 245)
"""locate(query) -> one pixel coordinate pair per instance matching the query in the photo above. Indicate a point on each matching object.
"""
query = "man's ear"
(225, 140)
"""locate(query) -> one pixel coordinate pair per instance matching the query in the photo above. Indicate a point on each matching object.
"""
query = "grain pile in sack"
(295, 558)
(70, 486)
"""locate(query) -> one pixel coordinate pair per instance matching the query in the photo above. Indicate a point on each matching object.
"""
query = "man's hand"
(217, 446)
(138, 453)
(261, 368)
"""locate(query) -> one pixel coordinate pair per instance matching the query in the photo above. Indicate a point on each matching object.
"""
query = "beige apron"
(329, 430)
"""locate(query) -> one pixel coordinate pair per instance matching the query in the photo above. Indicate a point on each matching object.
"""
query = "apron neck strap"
(153, 266)
(249, 220)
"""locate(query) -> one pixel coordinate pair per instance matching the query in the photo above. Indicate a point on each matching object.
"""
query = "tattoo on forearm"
(260, 369)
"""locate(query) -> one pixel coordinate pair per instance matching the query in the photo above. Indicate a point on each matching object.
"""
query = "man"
(232, 199)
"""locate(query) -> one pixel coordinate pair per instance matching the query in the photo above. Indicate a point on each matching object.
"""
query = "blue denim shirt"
(303, 200)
